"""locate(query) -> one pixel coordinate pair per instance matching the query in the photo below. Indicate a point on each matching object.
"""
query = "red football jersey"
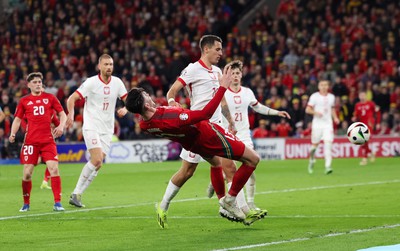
(38, 111)
(204, 138)
(365, 113)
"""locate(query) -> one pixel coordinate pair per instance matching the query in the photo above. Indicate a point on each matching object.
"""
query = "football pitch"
(355, 207)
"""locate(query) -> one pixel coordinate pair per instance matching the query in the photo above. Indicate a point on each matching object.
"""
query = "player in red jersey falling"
(195, 133)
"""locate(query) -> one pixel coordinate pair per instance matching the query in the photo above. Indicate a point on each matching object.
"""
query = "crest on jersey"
(237, 99)
(26, 158)
(106, 90)
(183, 116)
(46, 101)
(94, 141)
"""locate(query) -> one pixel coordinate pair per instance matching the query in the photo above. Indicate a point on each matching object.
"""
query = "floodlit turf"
(355, 207)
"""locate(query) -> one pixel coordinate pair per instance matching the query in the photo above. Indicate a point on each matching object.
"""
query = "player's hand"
(337, 121)
(122, 112)
(284, 114)
(226, 78)
(58, 131)
(232, 129)
(174, 103)
(318, 114)
(11, 138)
(70, 120)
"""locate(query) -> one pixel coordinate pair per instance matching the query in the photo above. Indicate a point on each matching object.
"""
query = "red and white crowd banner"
(342, 148)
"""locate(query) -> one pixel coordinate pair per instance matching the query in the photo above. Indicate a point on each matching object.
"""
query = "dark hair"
(208, 40)
(134, 101)
(236, 64)
(33, 75)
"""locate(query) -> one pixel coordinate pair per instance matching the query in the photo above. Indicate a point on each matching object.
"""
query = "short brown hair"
(104, 56)
(33, 75)
(236, 64)
(208, 40)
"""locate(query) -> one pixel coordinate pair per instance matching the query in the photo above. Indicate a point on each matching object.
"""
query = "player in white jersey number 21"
(239, 99)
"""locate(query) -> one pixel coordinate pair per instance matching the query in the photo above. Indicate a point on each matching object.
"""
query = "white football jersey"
(324, 105)
(201, 83)
(100, 101)
(238, 103)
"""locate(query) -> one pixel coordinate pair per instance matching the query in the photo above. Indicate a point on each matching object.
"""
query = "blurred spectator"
(260, 131)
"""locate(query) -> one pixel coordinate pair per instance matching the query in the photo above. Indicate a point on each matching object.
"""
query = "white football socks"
(328, 154)
(251, 188)
(171, 191)
(85, 174)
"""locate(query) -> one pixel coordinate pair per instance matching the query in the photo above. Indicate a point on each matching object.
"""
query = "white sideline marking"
(25, 215)
(356, 231)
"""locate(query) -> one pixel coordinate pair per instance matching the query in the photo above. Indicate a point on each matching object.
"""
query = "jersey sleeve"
(56, 104)
(84, 89)
(122, 90)
(20, 111)
(252, 97)
(187, 75)
(312, 100)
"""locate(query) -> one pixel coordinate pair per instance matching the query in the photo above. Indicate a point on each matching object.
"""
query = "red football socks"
(217, 180)
(240, 178)
(46, 175)
(56, 188)
(26, 190)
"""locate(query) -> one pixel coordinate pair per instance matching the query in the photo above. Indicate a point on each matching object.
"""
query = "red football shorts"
(216, 141)
(30, 153)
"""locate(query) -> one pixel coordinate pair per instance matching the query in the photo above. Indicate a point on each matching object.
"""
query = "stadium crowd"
(353, 44)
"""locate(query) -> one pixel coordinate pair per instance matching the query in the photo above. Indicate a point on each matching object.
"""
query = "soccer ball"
(358, 133)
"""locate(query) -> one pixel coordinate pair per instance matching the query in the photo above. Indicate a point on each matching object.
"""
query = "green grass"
(355, 207)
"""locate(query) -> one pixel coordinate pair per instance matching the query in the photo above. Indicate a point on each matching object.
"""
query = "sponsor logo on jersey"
(183, 116)
(237, 99)
(46, 101)
(106, 90)
(30, 103)
(38, 101)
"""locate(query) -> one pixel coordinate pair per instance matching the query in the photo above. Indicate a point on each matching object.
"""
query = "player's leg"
(250, 192)
(45, 182)
(251, 183)
(249, 161)
(90, 170)
(49, 153)
(27, 186)
(328, 140)
(364, 153)
(29, 157)
(185, 172)
(316, 135)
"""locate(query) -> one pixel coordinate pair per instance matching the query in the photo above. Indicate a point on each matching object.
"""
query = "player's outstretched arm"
(207, 112)
(265, 110)
(14, 129)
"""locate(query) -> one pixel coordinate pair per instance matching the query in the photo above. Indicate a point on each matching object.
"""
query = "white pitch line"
(211, 217)
(328, 187)
(356, 231)
(25, 215)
